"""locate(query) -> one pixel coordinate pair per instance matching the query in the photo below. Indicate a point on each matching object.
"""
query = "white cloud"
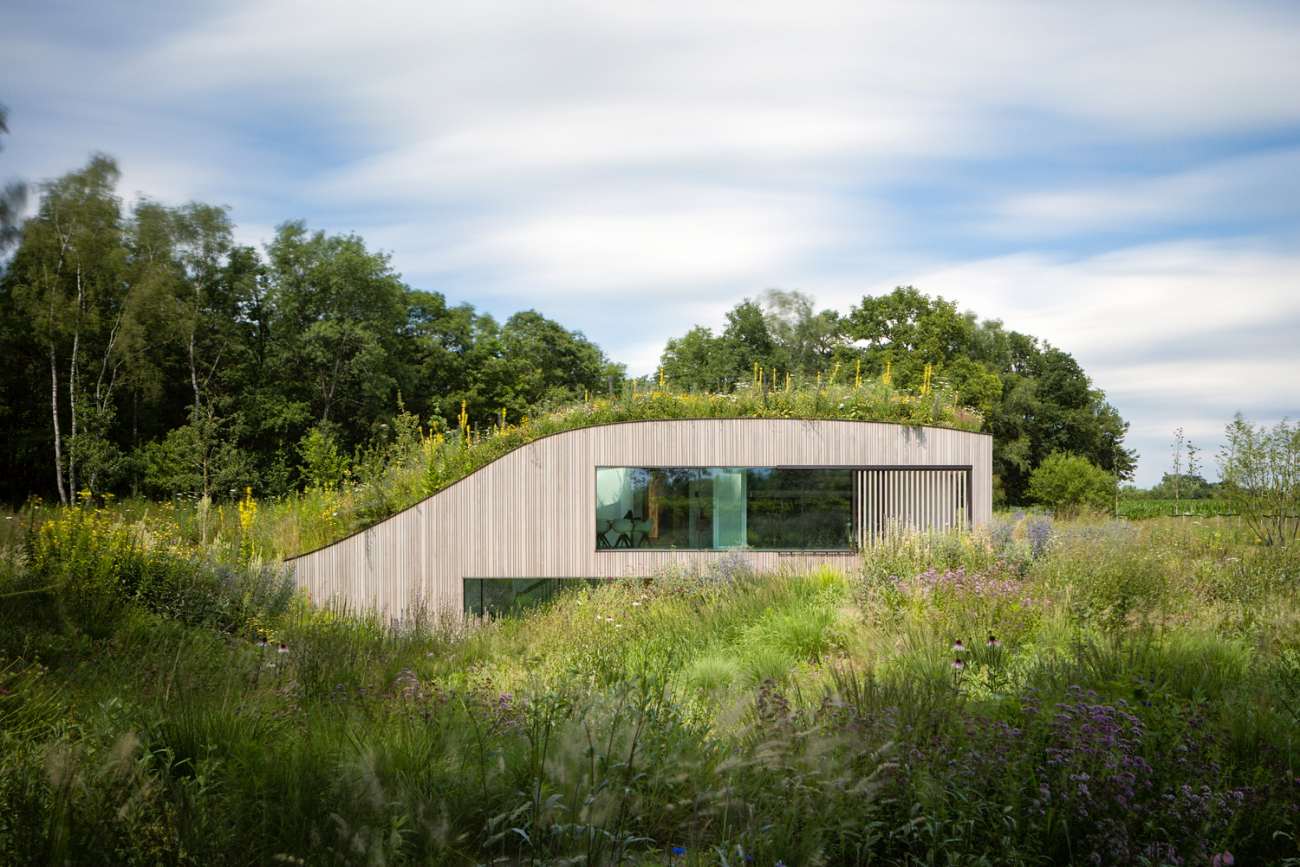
(1128, 300)
(1254, 186)
(411, 73)
(635, 168)
(1177, 335)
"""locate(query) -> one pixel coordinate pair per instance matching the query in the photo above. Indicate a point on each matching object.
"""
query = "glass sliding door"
(729, 509)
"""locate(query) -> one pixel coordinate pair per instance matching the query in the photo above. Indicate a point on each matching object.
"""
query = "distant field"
(1167, 508)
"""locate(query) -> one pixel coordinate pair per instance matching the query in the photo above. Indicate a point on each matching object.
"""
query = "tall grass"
(1128, 693)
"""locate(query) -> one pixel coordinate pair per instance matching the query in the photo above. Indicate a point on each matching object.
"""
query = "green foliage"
(199, 367)
(324, 465)
(633, 720)
(86, 572)
(193, 459)
(1188, 485)
(342, 307)
(179, 362)
(808, 342)
(542, 362)
(1261, 477)
(1067, 482)
(701, 362)
(12, 199)
(67, 282)
(1048, 405)
(1139, 508)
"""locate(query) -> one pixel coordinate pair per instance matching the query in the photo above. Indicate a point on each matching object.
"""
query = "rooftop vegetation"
(375, 484)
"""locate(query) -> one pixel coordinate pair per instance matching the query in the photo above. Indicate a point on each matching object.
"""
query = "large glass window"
(722, 508)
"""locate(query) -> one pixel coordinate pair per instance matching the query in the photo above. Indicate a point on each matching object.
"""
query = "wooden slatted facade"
(894, 500)
(530, 513)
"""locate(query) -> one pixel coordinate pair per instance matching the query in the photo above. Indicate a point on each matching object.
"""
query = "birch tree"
(68, 279)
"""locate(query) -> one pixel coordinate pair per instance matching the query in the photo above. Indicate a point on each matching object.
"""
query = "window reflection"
(722, 508)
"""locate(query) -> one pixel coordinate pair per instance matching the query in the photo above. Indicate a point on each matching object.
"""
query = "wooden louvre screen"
(893, 501)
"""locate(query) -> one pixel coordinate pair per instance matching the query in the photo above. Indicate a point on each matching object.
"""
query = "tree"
(696, 361)
(447, 352)
(12, 199)
(747, 340)
(205, 311)
(1047, 404)
(172, 352)
(194, 459)
(1260, 469)
(907, 332)
(338, 309)
(1034, 398)
(906, 325)
(806, 342)
(541, 360)
(1191, 486)
(179, 259)
(700, 360)
(24, 416)
(1068, 483)
(68, 280)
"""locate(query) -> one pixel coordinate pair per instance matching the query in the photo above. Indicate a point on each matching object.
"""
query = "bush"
(85, 571)
(1261, 477)
(1069, 483)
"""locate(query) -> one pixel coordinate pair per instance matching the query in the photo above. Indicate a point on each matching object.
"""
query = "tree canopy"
(148, 352)
(1035, 399)
(12, 198)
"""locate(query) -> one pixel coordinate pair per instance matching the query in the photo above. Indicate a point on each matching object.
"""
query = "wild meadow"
(1036, 692)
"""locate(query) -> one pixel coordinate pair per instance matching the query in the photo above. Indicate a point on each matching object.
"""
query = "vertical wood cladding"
(889, 501)
(531, 513)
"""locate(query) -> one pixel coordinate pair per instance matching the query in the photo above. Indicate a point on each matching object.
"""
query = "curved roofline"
(611, 424)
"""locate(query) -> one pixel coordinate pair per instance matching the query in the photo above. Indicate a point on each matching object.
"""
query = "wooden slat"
(531, 512)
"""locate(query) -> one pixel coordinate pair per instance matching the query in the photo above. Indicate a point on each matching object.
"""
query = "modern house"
(629, 498)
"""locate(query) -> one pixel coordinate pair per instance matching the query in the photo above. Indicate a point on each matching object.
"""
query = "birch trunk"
(58, 436)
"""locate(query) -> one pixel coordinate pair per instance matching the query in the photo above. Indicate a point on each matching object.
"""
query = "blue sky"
(1119, 178)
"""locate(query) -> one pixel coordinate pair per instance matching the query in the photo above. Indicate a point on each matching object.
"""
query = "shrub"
(1261, 477)
(86, 570)
(1069, 483)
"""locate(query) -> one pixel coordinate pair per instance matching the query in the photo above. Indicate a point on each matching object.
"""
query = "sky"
(1121, 179)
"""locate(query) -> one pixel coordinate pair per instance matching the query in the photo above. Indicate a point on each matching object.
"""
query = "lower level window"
(722, 508)
(501, 596)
